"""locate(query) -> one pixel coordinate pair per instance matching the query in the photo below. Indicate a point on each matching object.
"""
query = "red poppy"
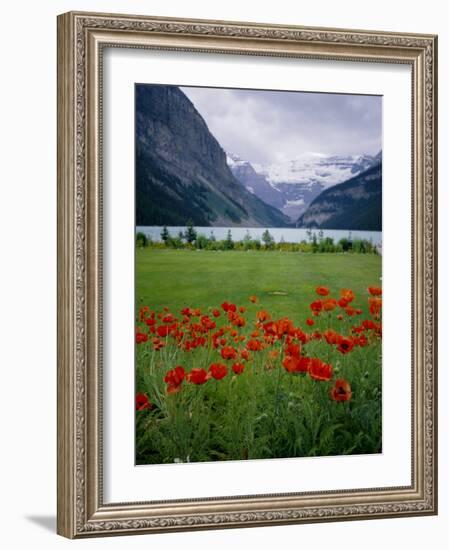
(142, 402)
(293, 349)
(238, 368)
(197, 376)
(169, 318)
(375, 290)
(331, 336)
(345, 345)
(319, 370)
(254, 345)
(342, 302)
(218, 371)
(341, 391)
(228, 352)
(350, 311)
(322, 290)
(296, 364)
(141, 337)
(368, 324)
(316, 306)
(310, 322)
(163, 330)
(207, 322)
(329, 304)
(150, 322)
(290, 363)
(262, 316)
(285, 326)
(157, 344)
(375, 305)
(253, 299)
(216, 313)
(174, 378)
(143, 313)
(347, 294)
(245, 355)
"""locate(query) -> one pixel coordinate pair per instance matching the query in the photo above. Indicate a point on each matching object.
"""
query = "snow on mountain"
(299, 181)
(310, 168)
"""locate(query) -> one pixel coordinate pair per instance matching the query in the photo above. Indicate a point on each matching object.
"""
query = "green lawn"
(283, 281)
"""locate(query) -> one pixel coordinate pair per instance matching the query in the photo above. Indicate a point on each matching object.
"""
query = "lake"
(289, 234)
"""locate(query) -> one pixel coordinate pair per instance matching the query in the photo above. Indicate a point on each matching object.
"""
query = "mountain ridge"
(181, 169)
(354, 204)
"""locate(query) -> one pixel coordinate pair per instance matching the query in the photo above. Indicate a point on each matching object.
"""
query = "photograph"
(258, 274)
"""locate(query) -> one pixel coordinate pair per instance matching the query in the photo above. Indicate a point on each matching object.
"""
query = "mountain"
(354, 204)
(181, 169)
(312, 168)
(255, 183)
(292, 185)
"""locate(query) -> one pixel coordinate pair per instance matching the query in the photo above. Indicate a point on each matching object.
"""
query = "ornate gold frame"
(81, 37)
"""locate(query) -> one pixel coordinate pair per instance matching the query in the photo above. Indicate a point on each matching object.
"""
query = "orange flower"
(310, 322)
(331, 336)
(322, 290)
(228, 352)
(329, 304)
(375, 305)
(290, 363)
(285, 326)
(273, 354)
(347, 294)
(375, 290)
(142, 402)
(218, 371)
(319, 370)
(341, 391)
(238, 368)
(143, 313)
(262, 316)
(345, 345)
(245, 355)
(253, 299)
(350, 311)
(197, 376)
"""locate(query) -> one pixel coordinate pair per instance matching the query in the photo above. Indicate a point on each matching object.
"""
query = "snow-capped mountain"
(312, 168)
(299, 181)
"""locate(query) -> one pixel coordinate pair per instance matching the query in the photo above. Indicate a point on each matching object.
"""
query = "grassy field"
(283, 281)
(257, 381)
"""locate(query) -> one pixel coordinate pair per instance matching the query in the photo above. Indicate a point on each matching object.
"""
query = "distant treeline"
(190, 239)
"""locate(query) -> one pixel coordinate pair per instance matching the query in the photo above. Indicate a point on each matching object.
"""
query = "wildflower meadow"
(240, 380)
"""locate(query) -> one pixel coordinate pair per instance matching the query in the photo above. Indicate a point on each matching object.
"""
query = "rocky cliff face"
(354, 204)
(181, 169)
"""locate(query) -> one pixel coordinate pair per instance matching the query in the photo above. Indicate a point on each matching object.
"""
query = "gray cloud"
(271, 126)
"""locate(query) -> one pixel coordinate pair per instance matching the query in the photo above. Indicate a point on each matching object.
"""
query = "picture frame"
(82, 41)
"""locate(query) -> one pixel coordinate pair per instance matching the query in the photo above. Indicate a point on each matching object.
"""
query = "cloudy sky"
(269, 127)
